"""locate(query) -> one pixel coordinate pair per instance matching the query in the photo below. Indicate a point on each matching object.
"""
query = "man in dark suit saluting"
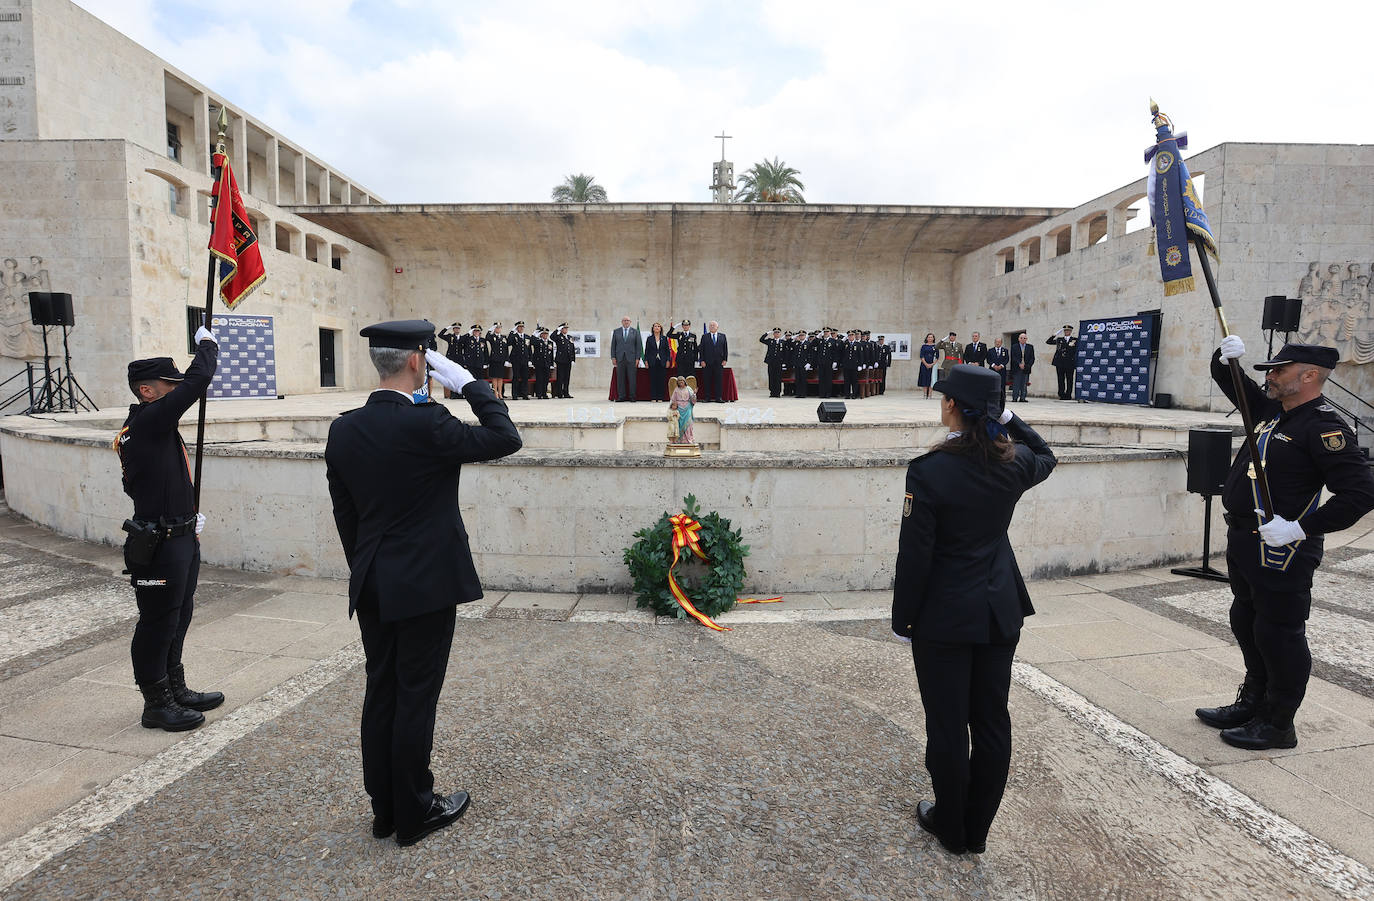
(393, 468)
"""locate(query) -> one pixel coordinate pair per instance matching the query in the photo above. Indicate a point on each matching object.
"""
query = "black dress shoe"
(441, 813)
(977, 847)
(382, 827)
(925, 815)
(1260, 735)
(1247, 704)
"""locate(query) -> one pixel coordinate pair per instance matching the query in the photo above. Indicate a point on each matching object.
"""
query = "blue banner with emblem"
(1175, 209)
(247, 357)
(1114, 360)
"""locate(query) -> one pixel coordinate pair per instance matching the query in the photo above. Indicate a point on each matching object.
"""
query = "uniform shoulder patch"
(1333, 441)
(906, 505)
(1326, 408)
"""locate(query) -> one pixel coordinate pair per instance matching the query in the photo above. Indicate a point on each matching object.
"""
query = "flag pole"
(211, 288)
(1238, 380)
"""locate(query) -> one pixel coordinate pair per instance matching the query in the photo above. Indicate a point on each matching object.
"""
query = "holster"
(143, 542)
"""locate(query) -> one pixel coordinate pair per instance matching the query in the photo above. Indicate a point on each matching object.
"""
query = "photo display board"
(1114, 360)
(586, 343)
(247, 357)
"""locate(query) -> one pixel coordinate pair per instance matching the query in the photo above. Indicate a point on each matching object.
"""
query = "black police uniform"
(826, 352)
(800, 355)
(453, 351)
(567, 355)
(1064, 361)
(1303, 449)
(497, 356)
(542, 354)
(772, 358)
(157, 476)
(884, 363)
(472, 354)
(519, 351)
(852, 360)
(686, 352)
(393, 469)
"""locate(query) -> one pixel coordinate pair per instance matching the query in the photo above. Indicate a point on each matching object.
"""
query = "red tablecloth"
(727, 384)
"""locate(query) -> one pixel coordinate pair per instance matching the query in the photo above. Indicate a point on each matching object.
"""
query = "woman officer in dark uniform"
(959, 598)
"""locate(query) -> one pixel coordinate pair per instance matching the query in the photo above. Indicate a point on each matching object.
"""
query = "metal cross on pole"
(723, 137)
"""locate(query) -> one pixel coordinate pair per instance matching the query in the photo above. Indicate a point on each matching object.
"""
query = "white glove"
(204, 334)
(200, 523)
(901, 637)
(1279, 531)
(446, 372)
(1232, 348)
(1006, 416)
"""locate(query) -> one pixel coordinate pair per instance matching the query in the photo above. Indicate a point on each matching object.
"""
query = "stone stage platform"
(818, 503)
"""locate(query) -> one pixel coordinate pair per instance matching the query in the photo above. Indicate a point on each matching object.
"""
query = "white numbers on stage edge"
(591, 414)
(747, 415)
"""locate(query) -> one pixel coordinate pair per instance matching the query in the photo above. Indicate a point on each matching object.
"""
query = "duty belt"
(1236, 521)
(173, 528)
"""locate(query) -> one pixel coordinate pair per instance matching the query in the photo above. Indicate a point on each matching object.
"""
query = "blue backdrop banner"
(247, 357)
(1114, 360)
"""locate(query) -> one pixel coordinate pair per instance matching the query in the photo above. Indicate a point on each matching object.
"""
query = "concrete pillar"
(324, 185)
(1116, 222)
(238, 135)
(1022, 256)
(1049, 247)
(300, 185)
(200, 149)
(273, 172)
(345, 193)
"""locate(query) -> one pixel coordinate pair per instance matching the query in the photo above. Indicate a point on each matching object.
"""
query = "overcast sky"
(958, 103)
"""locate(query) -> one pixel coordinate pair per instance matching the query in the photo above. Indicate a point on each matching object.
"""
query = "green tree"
(770, 182)
(579, 189)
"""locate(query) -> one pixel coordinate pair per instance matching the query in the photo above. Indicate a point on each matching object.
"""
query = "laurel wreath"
(712, 588)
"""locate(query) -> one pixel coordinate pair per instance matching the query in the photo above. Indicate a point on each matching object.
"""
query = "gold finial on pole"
(1154, 107)
(223, 129)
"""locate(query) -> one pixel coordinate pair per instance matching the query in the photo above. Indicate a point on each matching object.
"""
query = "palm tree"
(579, 189)
(774, 182)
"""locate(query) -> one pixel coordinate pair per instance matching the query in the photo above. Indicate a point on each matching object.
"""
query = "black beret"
(1316, 354)
(402, 334)
(155, 368)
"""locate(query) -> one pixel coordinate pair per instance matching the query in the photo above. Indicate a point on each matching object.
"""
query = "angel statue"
(680, 404)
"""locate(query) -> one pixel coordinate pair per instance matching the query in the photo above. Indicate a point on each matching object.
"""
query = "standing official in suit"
(884, 363)
(1065, 359)
(626, 351)
(999, 358)
(567, 355)
(393, 468)
(657, 353)
(1022, 361)
(715, 353)
(975, 351)
(772, 358)
(960, 600)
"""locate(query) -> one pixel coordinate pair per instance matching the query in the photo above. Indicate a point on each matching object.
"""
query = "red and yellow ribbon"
(686, 533)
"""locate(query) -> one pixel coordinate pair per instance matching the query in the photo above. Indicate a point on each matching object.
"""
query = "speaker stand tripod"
(58, 392)
(1205, 571)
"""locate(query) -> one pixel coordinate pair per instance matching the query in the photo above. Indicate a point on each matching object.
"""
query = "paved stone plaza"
(612, 755)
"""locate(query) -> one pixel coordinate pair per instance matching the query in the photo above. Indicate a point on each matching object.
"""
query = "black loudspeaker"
(1164, 401)
(1281, 314)
(1209, 459)
(830, 411)
(51, 309)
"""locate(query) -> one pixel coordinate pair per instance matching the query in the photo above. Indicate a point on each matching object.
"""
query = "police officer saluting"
(772, 358)
(162, 552)
(393, 468)
(1303, 445)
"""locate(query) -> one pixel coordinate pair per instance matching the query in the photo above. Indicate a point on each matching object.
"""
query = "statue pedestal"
(682, 450)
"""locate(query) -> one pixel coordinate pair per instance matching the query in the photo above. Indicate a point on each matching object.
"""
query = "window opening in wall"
(283, 238)
(173, 142)
(174, 200)
(1062, 242)
(327, 378)
(1138, 215)
(1032, 251)
(337, 263)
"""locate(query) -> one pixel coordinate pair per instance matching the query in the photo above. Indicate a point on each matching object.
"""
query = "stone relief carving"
(20, 339)
(1336, 309)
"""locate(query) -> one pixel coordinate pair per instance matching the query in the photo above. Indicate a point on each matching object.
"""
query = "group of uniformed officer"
(827, 355)
(514, 357)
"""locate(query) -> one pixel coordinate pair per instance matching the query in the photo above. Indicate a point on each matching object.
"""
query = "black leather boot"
(191, 700)
(1247, 706)
(1272, 730)
(161, 710)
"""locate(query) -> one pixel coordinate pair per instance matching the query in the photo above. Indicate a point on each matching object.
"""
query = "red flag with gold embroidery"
(232, 240)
